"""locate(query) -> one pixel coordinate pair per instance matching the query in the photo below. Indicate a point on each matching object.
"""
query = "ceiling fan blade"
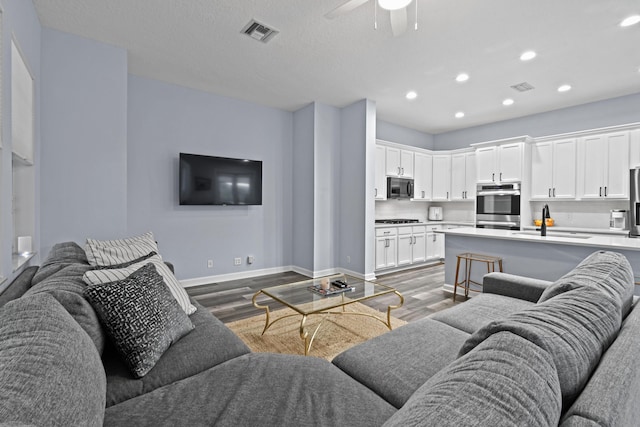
(344, 8)
(398, 21)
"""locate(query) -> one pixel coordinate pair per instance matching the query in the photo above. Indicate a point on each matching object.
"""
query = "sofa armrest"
(510, 285)
(170, 265)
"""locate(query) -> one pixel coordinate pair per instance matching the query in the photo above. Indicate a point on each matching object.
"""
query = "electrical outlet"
(348, 260)
(210, 263)
(237, 261)
(250, 259)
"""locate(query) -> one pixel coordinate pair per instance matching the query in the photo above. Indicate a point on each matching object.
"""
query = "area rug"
(336, 334)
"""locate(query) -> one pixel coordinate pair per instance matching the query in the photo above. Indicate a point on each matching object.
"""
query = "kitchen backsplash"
(458, 211)
(582, 214)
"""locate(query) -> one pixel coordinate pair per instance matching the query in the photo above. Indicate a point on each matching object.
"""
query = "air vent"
(522, 87)
(259, 31)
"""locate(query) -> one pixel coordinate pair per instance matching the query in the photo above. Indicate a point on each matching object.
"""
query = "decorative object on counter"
(549, 222)
(618, 219)
(435, 213)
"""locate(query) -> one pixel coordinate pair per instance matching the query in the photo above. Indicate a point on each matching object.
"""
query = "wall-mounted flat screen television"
(208, 180)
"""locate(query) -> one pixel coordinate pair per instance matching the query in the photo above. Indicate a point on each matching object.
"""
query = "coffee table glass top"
(298, 296)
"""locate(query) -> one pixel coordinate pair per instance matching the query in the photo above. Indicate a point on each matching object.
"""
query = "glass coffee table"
(304, 298)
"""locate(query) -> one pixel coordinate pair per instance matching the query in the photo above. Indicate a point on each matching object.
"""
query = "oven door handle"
(499, 193)
(504, 223)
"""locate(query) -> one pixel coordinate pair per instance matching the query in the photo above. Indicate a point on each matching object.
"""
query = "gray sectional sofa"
(524, 352)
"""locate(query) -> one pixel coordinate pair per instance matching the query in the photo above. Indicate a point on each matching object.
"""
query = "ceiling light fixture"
(393, 4)
(462, 77)
(564, 88)
(528, 55)
(508, 102)
(411, 95)
(631, 20)
(459, 115)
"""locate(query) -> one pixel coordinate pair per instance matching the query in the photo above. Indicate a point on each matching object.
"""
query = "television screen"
(208, 180)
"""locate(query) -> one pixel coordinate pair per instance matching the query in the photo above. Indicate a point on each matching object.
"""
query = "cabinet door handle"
(600, 191)
(423, 195)
(398, 170)
(605, 192)
(375, 194)
(554, 192)
(549, 192)
(493, 177)
(402, 171)
(501, 176)
(434, 237)
(447, 195)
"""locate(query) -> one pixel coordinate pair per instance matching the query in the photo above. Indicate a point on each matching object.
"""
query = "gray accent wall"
(403, 135)
(302, 194)
(610, 112)
(84, 145)
(166, 119)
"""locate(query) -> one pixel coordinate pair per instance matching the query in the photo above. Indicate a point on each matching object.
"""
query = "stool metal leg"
(467, 263)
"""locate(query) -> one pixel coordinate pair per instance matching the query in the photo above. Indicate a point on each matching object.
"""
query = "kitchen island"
(526, 253)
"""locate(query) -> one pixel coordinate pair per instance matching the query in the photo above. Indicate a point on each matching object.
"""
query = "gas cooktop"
(396, 221)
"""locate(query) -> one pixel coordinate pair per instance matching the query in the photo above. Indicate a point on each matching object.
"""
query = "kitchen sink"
(553, 234)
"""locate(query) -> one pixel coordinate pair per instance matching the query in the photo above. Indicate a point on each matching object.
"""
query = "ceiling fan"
(397, 12)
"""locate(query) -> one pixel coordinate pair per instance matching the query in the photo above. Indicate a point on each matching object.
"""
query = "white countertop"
(599, 241)
(446, 223)
(581, 230)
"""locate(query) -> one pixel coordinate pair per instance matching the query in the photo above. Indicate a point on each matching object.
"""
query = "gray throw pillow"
(504, 381)
(50, 371)
(141, 316)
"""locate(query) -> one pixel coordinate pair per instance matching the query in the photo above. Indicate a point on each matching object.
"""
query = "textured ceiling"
(198, 43)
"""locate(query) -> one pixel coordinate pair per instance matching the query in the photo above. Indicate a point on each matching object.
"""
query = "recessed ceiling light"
(631, 20)
(564, 88)
(411, 95)
(459, 115)
(508, 101)
(528, 55)
(393, 4)
(462, 77)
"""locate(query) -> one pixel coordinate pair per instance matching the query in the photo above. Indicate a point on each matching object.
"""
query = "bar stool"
(469, 258)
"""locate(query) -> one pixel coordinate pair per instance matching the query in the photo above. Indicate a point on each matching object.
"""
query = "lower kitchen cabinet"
(386, 248)
(435, 243)
(411, 245)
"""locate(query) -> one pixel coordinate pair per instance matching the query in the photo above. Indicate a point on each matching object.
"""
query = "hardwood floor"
(420, 287)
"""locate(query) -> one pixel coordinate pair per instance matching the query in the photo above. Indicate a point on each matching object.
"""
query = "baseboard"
(186, 283)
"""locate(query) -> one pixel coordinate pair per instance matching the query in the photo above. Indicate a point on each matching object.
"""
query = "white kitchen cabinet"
(605, 166)
(500, 163)
(411, 245)
(423, 178)
(435, 243)
(386, 247)
(553, 169)
(381, 176)
(399, 162)
(463, 176)
(441, 177)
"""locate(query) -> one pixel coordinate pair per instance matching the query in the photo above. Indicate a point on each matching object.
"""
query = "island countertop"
(606, 242)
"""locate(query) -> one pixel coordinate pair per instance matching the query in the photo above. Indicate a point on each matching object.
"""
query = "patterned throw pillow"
(94, 277)
(113, 252)
(141, 317)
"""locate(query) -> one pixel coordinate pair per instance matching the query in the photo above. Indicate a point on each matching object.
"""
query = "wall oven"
(498, 206)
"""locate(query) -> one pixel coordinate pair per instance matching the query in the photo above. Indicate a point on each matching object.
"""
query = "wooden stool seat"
(469, 258)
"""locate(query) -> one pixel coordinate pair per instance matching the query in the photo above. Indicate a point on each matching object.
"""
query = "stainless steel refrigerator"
(634, 203)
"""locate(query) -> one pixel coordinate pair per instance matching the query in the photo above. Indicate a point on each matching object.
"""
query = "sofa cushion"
(209, 344)
(50, 371)
(396, 364)
(94, 277)
(607, 271)
(141, 317)
(476, 312)
(61, 256)
(610, 398)
(575, 328)
(111, 252)
(66, 285)
(18, 286)
(258, 389)
(504, 381)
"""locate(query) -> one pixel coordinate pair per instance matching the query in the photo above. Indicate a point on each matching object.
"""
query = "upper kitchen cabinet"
(500, 161)
(441, 177)
(463, 176)
(399, 162)
(604, 166)
(423, 176)
(381, 176)
(634, 148)
(553, 169)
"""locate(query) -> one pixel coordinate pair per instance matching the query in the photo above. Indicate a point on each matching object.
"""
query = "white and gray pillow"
(113, 252)
(141, 317)
(100, 276)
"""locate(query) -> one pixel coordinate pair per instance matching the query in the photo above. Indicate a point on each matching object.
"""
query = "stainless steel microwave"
(399, 188)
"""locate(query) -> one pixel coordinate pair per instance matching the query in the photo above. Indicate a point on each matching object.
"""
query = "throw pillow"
(113, 252)
(95, 277)
(141, 317)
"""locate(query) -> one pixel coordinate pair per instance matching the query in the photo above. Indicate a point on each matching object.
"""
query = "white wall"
(403, 135)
